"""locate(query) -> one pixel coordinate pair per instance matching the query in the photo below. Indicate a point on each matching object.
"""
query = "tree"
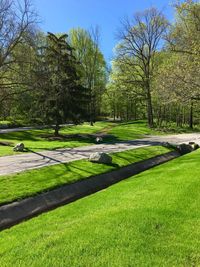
(92, 66)
(60, 96)
(139, 39)
(122, 95)
(17, 26)
(178, 76)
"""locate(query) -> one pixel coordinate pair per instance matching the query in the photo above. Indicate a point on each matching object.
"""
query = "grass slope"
(152, 219)
(32, 182)
(131, 130)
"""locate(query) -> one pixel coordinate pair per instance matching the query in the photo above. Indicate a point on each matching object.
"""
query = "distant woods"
(156, 70)
(54, 78)
(48, 78)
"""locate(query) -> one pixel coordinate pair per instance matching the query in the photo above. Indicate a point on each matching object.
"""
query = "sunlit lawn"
(132, 130)
(152, 219)
(35, 139)
(31, 182)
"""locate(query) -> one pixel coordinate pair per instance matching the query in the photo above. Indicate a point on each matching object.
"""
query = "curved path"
(27, 161)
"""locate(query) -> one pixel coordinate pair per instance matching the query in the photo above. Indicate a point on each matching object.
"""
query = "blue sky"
(62, 15)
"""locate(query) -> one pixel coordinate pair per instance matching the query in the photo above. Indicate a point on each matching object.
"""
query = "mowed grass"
(152, 219)
(132, 130)
(35, 139)
(28, 183)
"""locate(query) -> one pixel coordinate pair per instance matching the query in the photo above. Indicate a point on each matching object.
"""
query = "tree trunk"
(135, 111)
(114, 112)
(191, 115)
(149, 108)
(56, 129)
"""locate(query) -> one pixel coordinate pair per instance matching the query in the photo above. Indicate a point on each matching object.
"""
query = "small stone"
(19, 147)
(99, 139)
(100, 157)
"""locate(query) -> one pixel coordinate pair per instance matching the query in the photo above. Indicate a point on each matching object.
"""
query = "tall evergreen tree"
(60, 97)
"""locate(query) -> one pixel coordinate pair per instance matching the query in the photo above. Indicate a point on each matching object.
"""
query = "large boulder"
(187, 148)
(184, 148)
(19, 147)
(100, 157)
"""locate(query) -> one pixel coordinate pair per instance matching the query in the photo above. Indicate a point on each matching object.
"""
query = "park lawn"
(29, 183)
(34, 140)
(151, 219)
(132, 130)
(116, 131)
(139, 129)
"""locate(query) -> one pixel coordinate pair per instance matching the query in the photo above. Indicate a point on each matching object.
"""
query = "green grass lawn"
(132, 130)
(152, 219)
(31, 182)
(37, 140)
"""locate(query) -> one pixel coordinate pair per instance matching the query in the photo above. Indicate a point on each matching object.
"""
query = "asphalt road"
(27, 161)
(21, 129)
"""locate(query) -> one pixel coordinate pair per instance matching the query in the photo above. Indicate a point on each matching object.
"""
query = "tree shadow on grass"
(22, 135)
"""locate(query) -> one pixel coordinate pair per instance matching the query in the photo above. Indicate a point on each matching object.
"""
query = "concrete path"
(27, 161)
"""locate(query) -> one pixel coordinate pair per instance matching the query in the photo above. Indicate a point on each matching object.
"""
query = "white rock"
(100, 157)
(99, 139)
(19, 147)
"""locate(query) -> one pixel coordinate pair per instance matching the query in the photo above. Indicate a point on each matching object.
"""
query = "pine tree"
(61, 97)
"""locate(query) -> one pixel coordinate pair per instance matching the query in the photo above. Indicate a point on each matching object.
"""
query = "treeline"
(58, 78)
(156, 70)
(48, 78)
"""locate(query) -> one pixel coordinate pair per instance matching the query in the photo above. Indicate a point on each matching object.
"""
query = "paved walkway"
(26, 161)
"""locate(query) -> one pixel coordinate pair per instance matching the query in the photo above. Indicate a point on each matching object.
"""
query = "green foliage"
(92, 68)
(60, 95)
(124, 97)
(177, 83)
(134, 64)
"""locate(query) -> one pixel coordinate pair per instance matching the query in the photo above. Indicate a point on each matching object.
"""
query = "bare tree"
(17, 20)
(139, 40)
